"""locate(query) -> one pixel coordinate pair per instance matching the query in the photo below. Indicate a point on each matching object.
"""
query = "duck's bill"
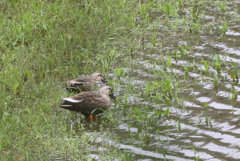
(105, 81)
(113, 97)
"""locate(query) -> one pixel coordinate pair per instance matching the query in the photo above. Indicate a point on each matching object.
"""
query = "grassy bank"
(44, 43)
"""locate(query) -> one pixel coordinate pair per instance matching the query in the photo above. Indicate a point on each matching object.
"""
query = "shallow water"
(211, 134)
(204, 123)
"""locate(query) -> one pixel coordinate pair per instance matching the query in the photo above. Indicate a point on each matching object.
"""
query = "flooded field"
(201, 66)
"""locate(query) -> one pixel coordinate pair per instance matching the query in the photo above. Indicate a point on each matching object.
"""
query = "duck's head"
(98, 77)
(107, 90)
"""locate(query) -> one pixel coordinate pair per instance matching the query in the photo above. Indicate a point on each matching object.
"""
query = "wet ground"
(204, 116)
(204, 104)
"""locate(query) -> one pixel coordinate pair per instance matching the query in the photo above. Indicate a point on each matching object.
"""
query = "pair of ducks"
(88, 103)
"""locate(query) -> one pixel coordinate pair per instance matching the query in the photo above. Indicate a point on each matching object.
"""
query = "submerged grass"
(43, 43)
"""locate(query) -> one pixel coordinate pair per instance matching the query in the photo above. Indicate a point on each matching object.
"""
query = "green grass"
(46, 42)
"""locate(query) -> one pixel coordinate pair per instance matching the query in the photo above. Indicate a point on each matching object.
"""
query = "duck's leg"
(91, 118)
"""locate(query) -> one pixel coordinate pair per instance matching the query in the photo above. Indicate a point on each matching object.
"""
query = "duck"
(85, 84)
(89, 103)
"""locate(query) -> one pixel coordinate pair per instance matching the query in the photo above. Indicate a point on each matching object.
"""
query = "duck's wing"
(85, 96)
(70, 102)
(82, 97)
(74, 99)
(78, 81)
(70, 99)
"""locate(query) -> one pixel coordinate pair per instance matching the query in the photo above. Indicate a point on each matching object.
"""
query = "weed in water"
(175, 54)
(215, 81)
(186, 69)
(234, 72)
(206, 65)
(197, 158)
(224, 28)
(120, 71)
(182, 50)
(206, 107)
(208, 120)
(153, 39)
(178, 126)
(234, 96)
(217, 63)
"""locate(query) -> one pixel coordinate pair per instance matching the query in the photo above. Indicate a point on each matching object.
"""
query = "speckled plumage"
(85, 84)
(89, 103)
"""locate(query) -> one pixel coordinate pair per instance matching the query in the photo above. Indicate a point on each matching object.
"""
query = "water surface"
(206, 124)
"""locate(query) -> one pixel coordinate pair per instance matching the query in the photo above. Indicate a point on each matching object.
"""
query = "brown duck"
(89, 103)
(85, 84)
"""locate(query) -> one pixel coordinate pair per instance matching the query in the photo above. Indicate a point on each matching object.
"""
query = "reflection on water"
(207, 124)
